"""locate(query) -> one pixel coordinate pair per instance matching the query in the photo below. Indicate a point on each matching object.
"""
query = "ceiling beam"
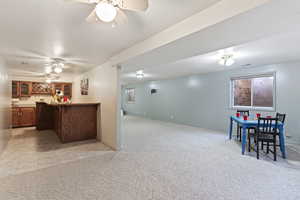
(217, 13)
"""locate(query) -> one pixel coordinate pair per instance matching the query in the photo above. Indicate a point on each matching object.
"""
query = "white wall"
(103, 88)
(5, 105)
(204, 100)
(64, 77)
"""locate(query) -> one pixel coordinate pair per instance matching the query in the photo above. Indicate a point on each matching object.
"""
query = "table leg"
(282, 141)
(230, 128)
(244, 134)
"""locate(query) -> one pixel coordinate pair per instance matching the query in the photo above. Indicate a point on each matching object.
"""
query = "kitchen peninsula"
(71, 122)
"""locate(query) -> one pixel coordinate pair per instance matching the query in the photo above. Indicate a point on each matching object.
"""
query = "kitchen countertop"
(23, 105)
(67, 104)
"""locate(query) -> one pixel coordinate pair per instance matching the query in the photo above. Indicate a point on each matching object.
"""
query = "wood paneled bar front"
(71, 122)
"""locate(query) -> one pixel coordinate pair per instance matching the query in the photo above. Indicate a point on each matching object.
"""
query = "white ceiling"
(34, 30)
(272, 50)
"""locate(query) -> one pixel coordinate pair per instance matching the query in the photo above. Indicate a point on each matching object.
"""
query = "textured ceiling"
(272, 50)
(34, 30)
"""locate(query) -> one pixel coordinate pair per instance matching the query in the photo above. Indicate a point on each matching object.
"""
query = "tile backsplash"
(31, 100)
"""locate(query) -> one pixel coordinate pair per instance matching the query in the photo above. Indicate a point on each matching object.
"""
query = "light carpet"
(162, 161)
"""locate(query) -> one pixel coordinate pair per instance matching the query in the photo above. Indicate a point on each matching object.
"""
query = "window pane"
(263, 92)
(242, 92)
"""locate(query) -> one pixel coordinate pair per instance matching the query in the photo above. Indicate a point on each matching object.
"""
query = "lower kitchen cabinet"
(23, 117)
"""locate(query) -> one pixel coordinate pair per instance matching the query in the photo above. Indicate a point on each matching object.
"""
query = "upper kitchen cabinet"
(66, 88)
(57, 87)
(25, 89)
(15, 89)
(41, 88)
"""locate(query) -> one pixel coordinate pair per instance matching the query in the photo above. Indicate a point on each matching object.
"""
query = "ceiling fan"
(112, 11)
(31, 64)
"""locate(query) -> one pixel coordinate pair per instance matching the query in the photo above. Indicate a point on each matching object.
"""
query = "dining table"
(252, 122)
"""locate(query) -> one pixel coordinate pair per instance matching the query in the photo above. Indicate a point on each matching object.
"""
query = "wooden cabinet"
(67, 120)
(65, 87)
(25, 89)
(23, 117)
(15, 89)
(15, 117)
(41, 88)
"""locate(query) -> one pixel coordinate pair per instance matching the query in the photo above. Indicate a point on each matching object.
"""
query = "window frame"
(127, 99)
(255, 108)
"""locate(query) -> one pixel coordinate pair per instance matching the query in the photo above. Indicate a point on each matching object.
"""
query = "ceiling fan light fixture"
(106, 11)
(48, 70)
(140, 74)
(58, 70)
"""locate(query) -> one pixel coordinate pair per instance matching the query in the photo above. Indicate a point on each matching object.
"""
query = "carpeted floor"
(160, 161)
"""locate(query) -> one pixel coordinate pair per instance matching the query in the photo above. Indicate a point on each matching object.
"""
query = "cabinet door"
(15, 117)
(27, 117)
(41, 88)
(25, 89)
(68, 90)
(15, 89)
(57, 86)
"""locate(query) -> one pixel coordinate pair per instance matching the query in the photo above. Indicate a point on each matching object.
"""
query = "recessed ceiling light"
(227, 60)
(139, 74)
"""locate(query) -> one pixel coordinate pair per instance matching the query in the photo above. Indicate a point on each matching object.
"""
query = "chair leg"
(262, 145)
(268, 147)
(249, 142)
(275, 152)
(257, 150)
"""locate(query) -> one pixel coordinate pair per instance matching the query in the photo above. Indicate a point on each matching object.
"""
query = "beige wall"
(5, 102)
(103, 88)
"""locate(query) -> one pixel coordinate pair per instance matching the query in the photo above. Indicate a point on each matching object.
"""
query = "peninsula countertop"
(68, 104)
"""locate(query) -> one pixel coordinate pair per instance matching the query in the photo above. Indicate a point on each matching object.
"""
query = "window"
(255, 92)
(130, 95)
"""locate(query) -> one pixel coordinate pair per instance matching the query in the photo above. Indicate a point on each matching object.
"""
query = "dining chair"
(239, 128)
(266, 132)
(281, 118)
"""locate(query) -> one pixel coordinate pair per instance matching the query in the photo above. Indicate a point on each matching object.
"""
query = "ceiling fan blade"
(26, 73)
(83, 1)
(135, 5)
(66, 66)
(121, 18)
(92, 18)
